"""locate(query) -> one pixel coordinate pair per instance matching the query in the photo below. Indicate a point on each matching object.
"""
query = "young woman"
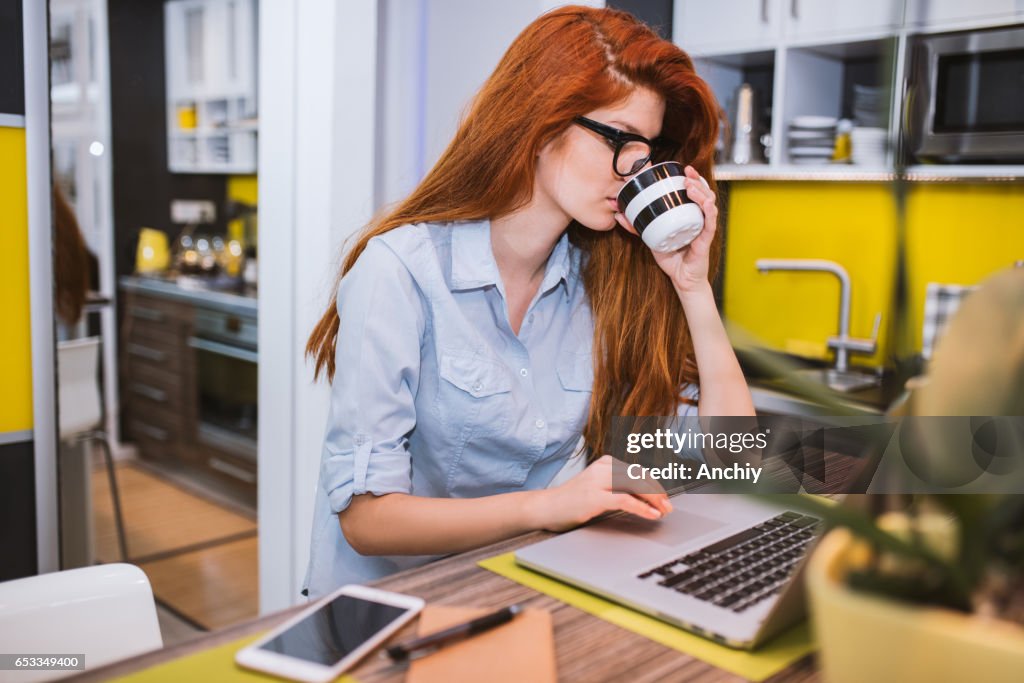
(505, 308)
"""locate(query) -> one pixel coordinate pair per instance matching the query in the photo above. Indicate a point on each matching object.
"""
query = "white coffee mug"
(655, 202)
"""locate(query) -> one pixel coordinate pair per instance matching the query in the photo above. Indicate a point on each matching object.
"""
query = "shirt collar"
(473, 263)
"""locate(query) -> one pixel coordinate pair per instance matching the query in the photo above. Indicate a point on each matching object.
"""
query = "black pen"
(418, 647)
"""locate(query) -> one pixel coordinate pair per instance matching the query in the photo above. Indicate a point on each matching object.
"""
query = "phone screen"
(332, 632)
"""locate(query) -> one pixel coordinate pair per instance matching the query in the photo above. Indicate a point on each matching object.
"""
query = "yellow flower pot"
(865, 637)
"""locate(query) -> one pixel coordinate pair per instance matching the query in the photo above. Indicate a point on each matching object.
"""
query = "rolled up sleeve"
(377, 360)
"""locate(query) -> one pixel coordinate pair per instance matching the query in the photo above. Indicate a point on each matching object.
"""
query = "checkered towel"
(940, 303)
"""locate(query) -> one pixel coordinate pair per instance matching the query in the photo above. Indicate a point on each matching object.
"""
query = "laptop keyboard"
(743, 569)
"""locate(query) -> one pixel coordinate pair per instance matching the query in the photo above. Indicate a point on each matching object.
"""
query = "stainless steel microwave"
(965, 97)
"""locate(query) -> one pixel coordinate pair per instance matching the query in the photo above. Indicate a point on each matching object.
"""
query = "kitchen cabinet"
(155, 371)
(210, 57)
(750, 25)
(813, 19)
(188, 381)
(953, 14)
(705, 27)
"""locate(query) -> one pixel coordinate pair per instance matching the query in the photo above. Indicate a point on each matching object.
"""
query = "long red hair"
(566, 63)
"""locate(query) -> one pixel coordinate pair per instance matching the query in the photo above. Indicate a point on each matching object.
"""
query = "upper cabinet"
(741, 25)
(821, 83)
(210, 52)
(702, 26)
(813, 19)
(946, 14)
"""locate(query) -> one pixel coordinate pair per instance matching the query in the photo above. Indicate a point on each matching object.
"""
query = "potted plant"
(929, 587)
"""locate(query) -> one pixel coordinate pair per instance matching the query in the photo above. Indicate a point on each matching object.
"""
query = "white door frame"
(318, 92)
(36, 35)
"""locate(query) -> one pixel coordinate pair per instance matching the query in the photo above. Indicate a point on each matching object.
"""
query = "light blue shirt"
(434, 394)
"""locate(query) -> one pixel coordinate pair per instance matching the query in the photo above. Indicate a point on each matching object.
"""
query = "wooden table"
(587, 648)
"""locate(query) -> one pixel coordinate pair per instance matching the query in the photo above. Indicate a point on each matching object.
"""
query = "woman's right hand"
(589, 494)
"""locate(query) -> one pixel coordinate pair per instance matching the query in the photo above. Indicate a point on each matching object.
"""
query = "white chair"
(105, 612)
(80, 411)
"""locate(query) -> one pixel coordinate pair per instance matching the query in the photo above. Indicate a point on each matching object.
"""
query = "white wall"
(435, 56)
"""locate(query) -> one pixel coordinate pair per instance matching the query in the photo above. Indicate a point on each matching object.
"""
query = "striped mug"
(655, 202)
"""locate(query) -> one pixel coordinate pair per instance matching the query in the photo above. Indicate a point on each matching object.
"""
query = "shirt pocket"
(576, 375)
(474, 396)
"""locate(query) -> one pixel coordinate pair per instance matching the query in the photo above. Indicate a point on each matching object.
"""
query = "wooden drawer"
(156, 437)
(239, 473)
(156, 310)
(158, 377)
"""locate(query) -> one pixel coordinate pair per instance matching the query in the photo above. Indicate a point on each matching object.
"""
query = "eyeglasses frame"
(619, 139)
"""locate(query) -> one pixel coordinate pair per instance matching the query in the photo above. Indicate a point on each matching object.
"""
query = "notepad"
(771, 658)
(521, 650)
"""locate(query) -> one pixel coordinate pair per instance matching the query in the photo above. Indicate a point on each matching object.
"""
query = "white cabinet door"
(807, 19)
(940, 13)
(707, 26)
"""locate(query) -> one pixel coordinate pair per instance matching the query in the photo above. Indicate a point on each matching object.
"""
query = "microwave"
(965, 97)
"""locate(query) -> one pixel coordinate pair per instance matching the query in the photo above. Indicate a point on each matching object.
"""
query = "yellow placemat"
(215, 664)
(771, 658)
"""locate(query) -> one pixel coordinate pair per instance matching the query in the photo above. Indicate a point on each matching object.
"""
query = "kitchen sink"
(769, 401)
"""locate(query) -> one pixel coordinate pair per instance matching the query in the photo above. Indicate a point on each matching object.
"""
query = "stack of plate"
(868, 105)
(812, 139)
(868, 146)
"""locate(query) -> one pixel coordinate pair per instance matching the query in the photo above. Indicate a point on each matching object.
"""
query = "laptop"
(723, 566)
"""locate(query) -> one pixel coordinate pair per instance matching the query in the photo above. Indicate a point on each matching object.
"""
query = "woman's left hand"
(688, 267)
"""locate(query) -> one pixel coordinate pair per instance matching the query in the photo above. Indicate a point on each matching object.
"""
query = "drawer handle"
(232, 470)
(152, 432)
(152, 393)
(146, 352)
(145, 313)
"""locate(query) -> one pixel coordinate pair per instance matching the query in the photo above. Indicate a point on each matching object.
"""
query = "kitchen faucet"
(843, 343)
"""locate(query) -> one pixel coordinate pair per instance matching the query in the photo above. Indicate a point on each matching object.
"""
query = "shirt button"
(539, 424)
(524, 372)
(478, 386)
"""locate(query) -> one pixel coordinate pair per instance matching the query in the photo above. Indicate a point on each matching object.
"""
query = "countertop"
(194, 291)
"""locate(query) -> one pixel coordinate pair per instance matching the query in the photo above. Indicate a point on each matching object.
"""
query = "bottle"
(843, 150)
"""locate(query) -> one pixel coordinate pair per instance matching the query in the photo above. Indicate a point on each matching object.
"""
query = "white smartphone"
(332, 635)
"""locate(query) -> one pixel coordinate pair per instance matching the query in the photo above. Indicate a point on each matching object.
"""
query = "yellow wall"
(242, 188)
(15, 331)
(853, 224)
(958, 234)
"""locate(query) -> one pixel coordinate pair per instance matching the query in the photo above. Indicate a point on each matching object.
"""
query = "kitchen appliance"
(153, 254)
(226, 363)
(966, 97)
(747, 139)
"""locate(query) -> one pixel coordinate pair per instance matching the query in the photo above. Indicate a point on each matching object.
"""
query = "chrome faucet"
(843, 343)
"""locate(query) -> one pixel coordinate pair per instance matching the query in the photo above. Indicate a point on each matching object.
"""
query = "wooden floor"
(200, 557)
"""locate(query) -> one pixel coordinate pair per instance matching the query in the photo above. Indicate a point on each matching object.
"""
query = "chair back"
(78, 389)
(105, 612)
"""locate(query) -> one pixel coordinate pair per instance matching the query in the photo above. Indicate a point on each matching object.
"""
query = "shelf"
(850, 173)
(937, 173)
(823, 173)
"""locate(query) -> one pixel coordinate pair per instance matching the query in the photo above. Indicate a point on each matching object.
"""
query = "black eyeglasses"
(632, 151)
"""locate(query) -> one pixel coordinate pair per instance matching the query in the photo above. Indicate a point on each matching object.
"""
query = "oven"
(225, 383)
(966, 97)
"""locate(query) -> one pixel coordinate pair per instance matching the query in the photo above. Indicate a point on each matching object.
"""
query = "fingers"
(658, 501)
(697, 188)
(626, 225)
(635, 506)
(699, 191)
